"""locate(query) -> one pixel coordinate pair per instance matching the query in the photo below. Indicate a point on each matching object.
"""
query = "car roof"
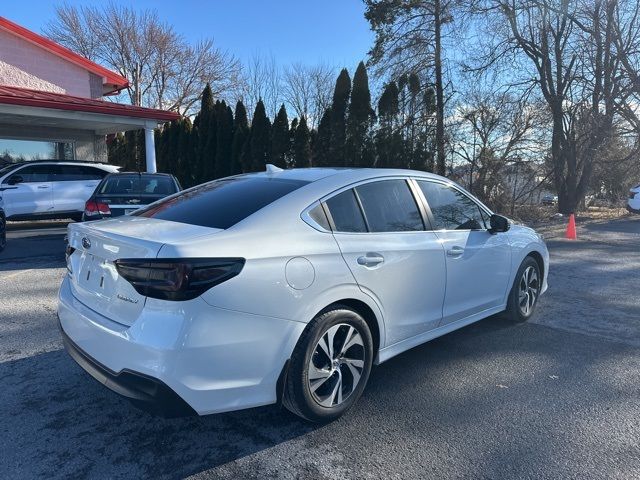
(55, 161)
(140, 174)
(341, 175)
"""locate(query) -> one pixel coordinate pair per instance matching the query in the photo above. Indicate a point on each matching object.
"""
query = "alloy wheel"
(336, 365)
(528, 290)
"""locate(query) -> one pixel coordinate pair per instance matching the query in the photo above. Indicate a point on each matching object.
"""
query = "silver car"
(287, 286)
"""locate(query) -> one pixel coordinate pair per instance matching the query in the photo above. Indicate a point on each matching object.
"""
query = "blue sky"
(310, 31)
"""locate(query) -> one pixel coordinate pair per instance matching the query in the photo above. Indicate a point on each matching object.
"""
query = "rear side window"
(137, 185)
(345, 212)
(221, 203)
(389, 206)
(76, 173)
(451, 209)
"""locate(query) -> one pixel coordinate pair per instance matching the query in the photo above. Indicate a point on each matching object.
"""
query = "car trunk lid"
(95, 280)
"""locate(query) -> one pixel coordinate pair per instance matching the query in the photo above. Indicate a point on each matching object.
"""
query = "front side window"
(389, 206)
(346, 213)
(451, 209)
(32, 174)
(221, 203)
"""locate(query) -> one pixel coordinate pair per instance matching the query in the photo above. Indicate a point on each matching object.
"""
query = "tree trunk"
(440, 157)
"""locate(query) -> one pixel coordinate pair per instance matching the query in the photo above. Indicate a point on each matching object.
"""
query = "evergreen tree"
(240, 136)
(292, 136)
(184, 158)
(224, 139)
(388, 138)
(322, 145)
(259, 139)
(358, 147)
(302, 145)
(339, 118)
(202, 132)
(280, 139)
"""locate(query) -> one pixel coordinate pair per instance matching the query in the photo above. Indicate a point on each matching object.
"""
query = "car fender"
(524, 241)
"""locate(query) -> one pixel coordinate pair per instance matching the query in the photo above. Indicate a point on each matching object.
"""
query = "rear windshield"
(221, 203)
(134, 184)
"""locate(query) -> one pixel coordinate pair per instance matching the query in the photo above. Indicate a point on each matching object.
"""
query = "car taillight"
(67, 255)
(93, 208)
(177, 279)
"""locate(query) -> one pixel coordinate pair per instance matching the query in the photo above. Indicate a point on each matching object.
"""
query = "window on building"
(12, 151)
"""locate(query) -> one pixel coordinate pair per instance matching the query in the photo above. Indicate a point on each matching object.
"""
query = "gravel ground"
(558, 397)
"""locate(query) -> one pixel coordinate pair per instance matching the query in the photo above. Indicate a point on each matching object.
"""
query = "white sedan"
(287, 286)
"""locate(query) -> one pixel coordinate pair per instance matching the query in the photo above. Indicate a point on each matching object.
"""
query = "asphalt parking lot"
(558, 397)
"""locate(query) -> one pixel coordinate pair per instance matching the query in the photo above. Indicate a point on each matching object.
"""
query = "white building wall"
(25, 65)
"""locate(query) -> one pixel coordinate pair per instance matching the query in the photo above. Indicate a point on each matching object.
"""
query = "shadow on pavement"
(528, 399)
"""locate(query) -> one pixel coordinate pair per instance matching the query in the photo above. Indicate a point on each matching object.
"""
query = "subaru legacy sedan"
(287, 286)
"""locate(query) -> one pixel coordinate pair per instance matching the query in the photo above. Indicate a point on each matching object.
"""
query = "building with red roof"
(51, 95)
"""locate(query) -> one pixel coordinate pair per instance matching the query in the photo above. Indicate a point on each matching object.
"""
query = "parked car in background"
(124, 193)
(633, 204)
(3, 225)
(549, 199)
(46, 189)
(287, 286)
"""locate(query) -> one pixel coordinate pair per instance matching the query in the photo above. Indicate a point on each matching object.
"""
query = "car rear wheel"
(330, 365)
(525, 292)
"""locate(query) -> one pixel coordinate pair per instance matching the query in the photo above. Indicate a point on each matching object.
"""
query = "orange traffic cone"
(571, 228)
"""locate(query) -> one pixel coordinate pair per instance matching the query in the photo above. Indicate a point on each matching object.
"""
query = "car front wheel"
(330, 365)
(525, 292)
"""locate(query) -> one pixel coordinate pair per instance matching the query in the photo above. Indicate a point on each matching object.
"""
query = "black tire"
(298, 397)
(3, 233)
(515, 310)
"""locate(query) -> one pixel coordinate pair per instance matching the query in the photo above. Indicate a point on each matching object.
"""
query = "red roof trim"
(111, 79)
(59, 101)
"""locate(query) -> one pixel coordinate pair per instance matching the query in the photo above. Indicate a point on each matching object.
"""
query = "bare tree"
(569, 56)
(499, 137)
(261, 81)
(164, 70)
(308, 90)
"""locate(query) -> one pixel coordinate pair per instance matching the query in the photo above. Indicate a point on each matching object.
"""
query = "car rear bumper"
(196, 358)
(146, 392)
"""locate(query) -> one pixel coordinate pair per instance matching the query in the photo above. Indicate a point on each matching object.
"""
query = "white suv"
(49, 189)
(633, 205)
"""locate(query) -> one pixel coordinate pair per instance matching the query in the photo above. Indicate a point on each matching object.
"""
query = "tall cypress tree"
(280, 139)
(339, 119)
(240, 136)
(201, 133)
(358, 146)
(224, 139)
(388, 137)
(322, 145)
(260, 139)
(302, 145)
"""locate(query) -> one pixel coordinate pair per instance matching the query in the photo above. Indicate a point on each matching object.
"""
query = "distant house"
(52, 96)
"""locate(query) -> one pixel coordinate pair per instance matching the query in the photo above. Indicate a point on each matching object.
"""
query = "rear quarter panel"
(292, 273)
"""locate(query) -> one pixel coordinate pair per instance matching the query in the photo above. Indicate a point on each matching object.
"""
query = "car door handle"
(455, 251)
(43, 186)
(370, 259)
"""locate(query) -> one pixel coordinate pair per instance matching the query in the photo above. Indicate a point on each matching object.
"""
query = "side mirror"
(15, 179)
(498, 224)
